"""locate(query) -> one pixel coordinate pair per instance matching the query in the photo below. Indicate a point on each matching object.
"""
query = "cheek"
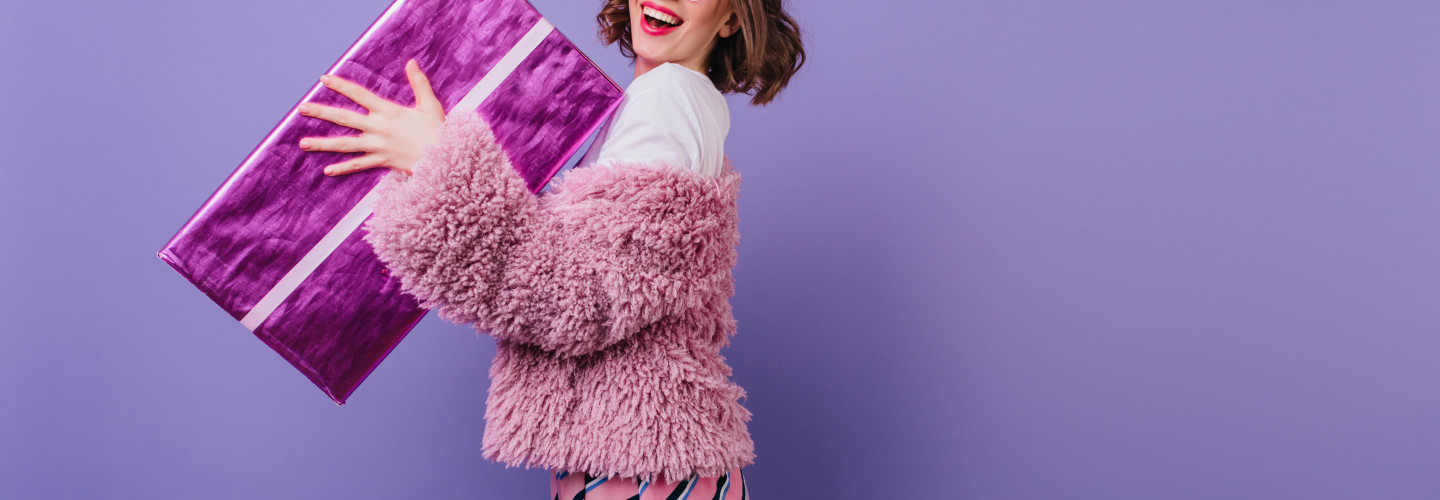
(706, 19)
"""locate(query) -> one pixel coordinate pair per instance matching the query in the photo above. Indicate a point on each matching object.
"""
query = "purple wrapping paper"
(278, 245)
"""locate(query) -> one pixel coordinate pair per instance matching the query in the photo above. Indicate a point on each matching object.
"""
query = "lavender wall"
(1024, 249)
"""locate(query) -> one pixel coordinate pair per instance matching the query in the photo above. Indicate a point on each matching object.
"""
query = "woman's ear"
(731, 24)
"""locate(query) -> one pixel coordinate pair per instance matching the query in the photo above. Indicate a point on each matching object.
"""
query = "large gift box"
(279, 244)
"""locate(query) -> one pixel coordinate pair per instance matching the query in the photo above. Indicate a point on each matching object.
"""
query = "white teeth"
(647, 10)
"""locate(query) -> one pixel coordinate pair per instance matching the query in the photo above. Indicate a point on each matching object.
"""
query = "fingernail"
(304, 109)
(325, 79)
(304, 144)
(329, 171)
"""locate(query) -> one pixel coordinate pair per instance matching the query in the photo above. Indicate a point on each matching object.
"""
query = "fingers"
(354, 165)
(425, 99)
(343, 144)
(339, 116)
(355, 92)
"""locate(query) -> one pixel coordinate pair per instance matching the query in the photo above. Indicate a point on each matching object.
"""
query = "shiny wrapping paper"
(279, 244)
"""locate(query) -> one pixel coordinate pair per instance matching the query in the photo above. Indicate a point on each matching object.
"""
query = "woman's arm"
(466, 237)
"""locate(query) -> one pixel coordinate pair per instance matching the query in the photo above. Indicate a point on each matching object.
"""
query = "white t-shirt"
(670, 114)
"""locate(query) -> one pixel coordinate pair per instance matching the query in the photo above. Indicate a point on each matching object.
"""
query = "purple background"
(1034, 249)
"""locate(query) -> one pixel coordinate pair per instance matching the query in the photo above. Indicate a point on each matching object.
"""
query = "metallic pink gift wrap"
(278, 245)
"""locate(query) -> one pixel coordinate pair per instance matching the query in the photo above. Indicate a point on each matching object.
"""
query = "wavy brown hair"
(758, 59)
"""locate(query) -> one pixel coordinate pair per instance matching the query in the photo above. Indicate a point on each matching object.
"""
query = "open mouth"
(659, 18)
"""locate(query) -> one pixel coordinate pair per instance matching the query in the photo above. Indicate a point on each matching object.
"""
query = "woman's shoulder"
(678, 91)
(671, 114)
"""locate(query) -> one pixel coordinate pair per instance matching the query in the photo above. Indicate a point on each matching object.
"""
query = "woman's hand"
(394, 136)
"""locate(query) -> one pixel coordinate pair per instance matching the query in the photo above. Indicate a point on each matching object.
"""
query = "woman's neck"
(643, 66)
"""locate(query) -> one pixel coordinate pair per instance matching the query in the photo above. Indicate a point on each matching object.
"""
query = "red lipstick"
(654, 31)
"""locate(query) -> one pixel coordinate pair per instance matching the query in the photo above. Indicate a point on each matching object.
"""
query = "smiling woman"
(608, 369)
(743, 46)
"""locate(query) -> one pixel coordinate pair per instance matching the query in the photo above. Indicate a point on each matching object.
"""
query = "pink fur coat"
(608, 297)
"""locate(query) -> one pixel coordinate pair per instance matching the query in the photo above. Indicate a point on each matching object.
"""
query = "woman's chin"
(650, 57)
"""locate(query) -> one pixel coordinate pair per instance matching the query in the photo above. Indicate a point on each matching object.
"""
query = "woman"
(608, 295)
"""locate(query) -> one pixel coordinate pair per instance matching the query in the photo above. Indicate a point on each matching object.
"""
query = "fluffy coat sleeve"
(607, 251)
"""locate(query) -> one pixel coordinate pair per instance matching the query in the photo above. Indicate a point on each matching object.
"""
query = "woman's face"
(678, 31)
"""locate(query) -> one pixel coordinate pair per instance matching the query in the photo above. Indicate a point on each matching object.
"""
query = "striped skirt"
(581, 486)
